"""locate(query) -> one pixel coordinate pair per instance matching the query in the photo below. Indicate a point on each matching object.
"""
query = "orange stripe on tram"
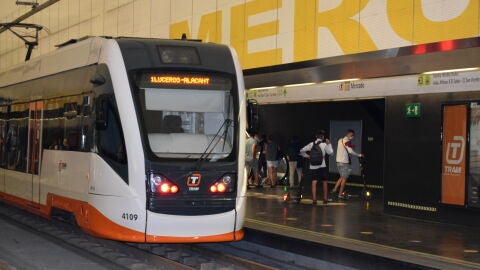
(95, 223)
(232, 236)
(88, 217)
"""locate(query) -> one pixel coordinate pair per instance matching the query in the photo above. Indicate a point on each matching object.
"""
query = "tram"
(140, 140)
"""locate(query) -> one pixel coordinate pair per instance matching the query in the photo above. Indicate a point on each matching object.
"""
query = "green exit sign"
(413, 110)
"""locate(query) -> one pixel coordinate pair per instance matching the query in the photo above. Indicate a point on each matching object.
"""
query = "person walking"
(251, 161)
(271, 156)
(293, 154)
(262, 161)
(344, 162)
(316, 152)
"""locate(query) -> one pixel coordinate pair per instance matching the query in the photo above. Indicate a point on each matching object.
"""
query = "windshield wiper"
(226, 123)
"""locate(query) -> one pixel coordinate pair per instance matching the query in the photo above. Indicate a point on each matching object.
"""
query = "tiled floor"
(363, 221)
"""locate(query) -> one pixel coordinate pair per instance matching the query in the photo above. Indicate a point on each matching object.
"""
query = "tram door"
(34, 152)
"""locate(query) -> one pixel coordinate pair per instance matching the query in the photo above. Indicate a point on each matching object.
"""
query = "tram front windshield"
(188, 116)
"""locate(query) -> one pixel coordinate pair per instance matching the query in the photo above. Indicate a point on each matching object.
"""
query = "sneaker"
(325, 202)
(263, 181)
(342, 197)
(314, 203)
(333, 194)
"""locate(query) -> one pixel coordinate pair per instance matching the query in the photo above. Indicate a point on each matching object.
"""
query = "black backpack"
(316, 155)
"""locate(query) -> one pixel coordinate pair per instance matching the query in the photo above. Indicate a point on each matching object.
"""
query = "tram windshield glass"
(188, 115)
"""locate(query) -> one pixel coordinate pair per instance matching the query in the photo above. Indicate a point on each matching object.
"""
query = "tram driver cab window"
(185, 123)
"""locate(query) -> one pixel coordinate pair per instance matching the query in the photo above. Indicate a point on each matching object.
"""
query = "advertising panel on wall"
(474, 154)
(454, 154)
(461, 155)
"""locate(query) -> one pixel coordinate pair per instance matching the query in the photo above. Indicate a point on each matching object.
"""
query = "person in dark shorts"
(316, 152)
(272, 160)
(293, 153)
(262, 161)
(251, 161)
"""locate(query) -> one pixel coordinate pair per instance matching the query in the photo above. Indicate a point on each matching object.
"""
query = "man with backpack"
(315, 152)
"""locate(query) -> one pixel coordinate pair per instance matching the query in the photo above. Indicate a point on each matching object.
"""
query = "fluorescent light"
(451, 70)
(263, 88)
(298, 84)
(344, 80)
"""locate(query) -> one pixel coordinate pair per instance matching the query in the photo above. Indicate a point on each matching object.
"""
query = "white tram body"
(140, 139)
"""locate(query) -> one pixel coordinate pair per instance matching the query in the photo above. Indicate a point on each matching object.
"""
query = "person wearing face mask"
(344, 162)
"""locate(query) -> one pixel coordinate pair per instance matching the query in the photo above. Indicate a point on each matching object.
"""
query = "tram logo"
(455, 150)
(194, 180)
(454, 155)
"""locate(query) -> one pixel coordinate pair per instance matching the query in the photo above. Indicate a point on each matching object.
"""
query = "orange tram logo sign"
(194, 80)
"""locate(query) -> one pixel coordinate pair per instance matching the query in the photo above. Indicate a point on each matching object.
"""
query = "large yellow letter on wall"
(241, 33)
(350, 35)
(410, 23)
(178, 29)
(209, 30)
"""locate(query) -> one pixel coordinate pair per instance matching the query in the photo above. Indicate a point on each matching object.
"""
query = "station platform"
(361, 226)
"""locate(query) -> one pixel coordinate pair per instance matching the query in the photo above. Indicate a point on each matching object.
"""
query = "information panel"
(454, 154)
(474, 168)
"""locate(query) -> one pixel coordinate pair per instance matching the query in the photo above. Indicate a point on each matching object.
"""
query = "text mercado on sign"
(179, 80)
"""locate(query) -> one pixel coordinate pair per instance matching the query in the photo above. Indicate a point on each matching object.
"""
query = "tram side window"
(110, 140)
(67, 125)
(3, 136)
(53, 129)
(16, 140)
(72, 126)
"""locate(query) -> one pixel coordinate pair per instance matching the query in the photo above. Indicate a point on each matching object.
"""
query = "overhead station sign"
(370, 88)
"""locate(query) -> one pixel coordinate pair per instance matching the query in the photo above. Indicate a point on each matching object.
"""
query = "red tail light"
(160, 184)
(223, 185)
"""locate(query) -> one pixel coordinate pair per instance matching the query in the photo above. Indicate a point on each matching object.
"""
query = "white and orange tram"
(141, 140)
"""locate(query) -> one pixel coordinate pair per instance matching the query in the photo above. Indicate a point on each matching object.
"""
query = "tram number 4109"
(129, 216)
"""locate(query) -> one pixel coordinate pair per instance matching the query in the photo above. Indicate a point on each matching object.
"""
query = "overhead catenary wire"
(30, 13)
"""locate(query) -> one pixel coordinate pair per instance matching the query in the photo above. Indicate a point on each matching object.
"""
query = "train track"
(118, 254)
(216, 256)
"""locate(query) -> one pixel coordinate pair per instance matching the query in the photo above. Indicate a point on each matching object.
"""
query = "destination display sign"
(166, 79)
(184, 80)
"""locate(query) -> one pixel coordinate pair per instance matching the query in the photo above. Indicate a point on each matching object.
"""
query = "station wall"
(304, 119)
(264, 32)
(413, 159)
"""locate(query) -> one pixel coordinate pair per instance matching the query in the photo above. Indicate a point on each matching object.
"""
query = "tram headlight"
(161, 184)
(225, 184)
